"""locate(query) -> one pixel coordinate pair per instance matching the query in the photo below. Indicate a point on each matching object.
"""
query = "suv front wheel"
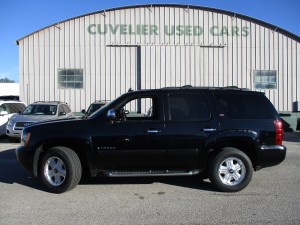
(60, 169)
(231, 170)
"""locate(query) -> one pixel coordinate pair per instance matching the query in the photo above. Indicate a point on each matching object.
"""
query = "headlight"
(25, 138)
(10, 123)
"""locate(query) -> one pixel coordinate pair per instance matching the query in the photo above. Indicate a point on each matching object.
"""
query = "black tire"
(60, 169)
(231, 170)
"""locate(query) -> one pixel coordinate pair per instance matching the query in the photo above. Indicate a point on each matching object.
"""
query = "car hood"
(31, 118)
(55, 120)
(57, 128)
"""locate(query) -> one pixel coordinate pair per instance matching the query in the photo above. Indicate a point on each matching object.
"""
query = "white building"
(100, 55)
(9, 89)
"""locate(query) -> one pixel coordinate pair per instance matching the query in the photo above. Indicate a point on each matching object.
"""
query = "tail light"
(279, 132)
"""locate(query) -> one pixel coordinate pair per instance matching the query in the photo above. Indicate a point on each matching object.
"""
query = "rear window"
(246, 106)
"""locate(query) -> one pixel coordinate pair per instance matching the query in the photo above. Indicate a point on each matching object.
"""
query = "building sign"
(173, 30)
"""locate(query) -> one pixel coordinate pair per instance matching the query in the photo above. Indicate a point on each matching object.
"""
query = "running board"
(151, 173)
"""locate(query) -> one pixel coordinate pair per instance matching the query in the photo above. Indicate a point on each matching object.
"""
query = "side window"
(245, 106)
(67, 109)
(60, 109)
(144, 108)
(3, 107)
(188, 107)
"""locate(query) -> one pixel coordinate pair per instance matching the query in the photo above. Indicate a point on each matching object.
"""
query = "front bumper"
(11, 132)
(270, 155)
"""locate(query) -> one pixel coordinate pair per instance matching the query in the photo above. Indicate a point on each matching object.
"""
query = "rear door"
(189, 121)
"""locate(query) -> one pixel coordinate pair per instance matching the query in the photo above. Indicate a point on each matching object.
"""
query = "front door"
(134, 140)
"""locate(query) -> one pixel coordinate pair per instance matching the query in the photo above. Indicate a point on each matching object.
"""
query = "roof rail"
(50, 102)
(209, 88)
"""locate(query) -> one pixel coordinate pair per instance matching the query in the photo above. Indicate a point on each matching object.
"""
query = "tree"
(6, 80)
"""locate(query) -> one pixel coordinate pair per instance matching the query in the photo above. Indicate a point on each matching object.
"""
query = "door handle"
(209, 129)
(153, 131)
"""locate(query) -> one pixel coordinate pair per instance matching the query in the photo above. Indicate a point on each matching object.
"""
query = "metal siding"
(21, 72)
(82, 101)
(87, 62)
(36, 64)
(52, 71)
(297, 73)
(110, 61)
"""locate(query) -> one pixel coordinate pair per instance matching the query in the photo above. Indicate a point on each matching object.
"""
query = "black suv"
(221, 133)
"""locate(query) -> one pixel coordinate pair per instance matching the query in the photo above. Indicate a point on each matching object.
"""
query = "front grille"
(22, 124)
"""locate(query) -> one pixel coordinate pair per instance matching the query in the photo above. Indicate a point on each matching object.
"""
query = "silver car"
(36, 112)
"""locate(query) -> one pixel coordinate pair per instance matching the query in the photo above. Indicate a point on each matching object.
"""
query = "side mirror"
(62, 114)
(111, 114)
(83, 111)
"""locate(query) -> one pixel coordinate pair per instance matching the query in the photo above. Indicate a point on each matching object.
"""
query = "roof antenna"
(130, 90)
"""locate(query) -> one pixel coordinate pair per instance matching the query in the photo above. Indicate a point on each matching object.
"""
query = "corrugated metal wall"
(165, 45)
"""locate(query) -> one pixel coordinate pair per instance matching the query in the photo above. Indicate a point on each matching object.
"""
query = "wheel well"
(77, 147)
(245, 146)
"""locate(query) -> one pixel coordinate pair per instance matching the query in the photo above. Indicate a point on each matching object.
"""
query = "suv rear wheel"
(231, 170)
(60, 169)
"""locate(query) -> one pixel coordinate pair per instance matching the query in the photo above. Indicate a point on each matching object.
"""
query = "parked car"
(38, 111)
(10, 98)
(93, 107)
(7, 109)
(221, 133)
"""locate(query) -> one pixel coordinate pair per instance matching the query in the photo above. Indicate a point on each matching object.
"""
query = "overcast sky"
(21, 17)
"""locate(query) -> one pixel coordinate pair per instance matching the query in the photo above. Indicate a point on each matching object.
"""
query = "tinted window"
(246, 106)
(93, 108)
(188, 107)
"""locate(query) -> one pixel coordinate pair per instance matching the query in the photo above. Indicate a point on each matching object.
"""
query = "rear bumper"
(270, 155)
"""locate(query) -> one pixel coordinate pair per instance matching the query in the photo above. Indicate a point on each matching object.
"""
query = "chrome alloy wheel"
(232, 171)
(55, 171)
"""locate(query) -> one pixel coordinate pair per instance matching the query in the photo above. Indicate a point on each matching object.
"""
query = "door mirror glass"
(111, 114)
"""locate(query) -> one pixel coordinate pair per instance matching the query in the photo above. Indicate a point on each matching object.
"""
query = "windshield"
(40, 110)
(102, 108)
(93, 108)
(12, 107)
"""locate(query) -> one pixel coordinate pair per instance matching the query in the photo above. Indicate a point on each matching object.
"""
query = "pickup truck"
(221, 133)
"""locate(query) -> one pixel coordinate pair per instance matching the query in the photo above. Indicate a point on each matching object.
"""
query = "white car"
(7, 110)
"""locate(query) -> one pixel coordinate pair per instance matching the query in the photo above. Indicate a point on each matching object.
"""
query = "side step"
(151, 173)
